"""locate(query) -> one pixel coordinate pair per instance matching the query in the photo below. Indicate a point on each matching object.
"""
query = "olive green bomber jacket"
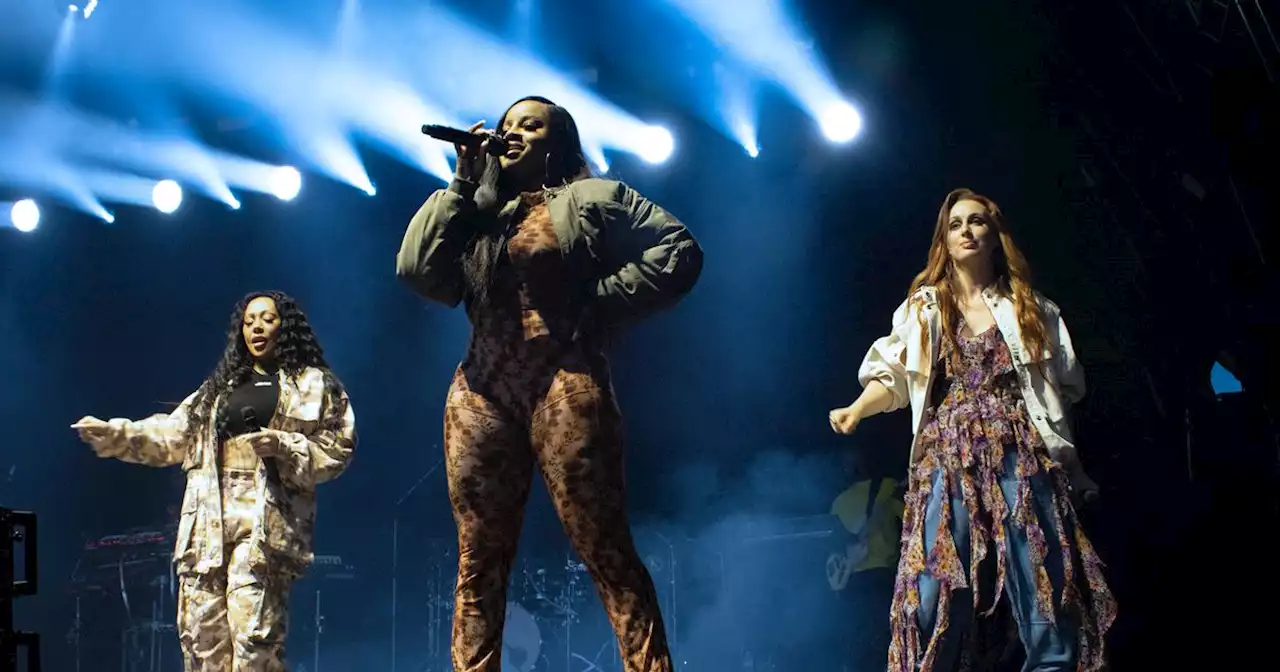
(633, 257)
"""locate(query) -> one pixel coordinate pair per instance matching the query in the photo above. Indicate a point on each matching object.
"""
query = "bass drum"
(521, 640)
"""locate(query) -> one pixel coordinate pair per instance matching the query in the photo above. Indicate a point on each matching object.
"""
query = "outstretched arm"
(156, 441)
(883, 376)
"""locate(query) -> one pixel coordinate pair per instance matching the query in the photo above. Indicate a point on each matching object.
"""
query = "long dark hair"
(296, 350)
(566, 162)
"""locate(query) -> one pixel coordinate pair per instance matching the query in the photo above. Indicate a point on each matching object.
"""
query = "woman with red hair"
(987, 367)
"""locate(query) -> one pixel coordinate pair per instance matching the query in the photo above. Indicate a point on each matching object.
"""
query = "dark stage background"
(1130, 145)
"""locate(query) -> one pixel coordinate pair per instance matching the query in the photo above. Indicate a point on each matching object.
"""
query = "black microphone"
(250, 417)
(497, 146)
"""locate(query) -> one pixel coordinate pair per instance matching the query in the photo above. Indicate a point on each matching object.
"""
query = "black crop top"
(260, 393)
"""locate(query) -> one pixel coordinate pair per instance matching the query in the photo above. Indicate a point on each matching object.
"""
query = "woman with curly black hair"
(269, 424)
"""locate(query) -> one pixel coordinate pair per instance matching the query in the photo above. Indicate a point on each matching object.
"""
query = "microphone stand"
(395, 553)
(315, 656)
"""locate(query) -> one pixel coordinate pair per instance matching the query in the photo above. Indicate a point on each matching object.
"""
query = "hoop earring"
(548, 181)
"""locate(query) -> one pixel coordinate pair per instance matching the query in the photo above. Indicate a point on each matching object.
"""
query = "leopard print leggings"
(556, 410)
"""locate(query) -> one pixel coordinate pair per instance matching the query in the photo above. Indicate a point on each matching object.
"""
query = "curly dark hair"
(296, 350)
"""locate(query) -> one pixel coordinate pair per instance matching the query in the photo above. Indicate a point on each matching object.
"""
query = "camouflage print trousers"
(234, 619)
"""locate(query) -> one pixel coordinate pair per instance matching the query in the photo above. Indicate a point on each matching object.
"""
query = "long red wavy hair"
(1013, 278)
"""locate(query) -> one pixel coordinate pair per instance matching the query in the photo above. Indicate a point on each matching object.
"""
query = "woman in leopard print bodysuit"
(547, 260)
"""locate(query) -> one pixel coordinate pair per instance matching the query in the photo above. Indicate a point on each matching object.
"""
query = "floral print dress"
(980, 453)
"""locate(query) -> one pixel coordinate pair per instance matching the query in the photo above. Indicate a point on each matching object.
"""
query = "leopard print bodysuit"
(528, 395)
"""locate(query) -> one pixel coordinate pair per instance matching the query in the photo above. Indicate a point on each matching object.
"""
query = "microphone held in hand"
(497, 146)
(250, 417)
(251, 423)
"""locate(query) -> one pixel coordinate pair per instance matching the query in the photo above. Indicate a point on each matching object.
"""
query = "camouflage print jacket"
(284, 524)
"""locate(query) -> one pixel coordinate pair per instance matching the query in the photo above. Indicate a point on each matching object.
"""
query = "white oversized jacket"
(904, 362)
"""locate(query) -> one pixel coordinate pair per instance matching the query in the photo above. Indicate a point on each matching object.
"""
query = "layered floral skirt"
(992, 551)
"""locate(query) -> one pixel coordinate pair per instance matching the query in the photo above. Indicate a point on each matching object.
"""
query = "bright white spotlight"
(286, 182)
(25, 215)
(166, 196)
(840, 122)
(657, 145)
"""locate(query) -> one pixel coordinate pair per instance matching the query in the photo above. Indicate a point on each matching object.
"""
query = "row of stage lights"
(166, 196)
(284, 182)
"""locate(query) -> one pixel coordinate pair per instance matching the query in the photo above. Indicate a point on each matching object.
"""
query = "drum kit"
(553, 620)
(125, 597)
(554, 623)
